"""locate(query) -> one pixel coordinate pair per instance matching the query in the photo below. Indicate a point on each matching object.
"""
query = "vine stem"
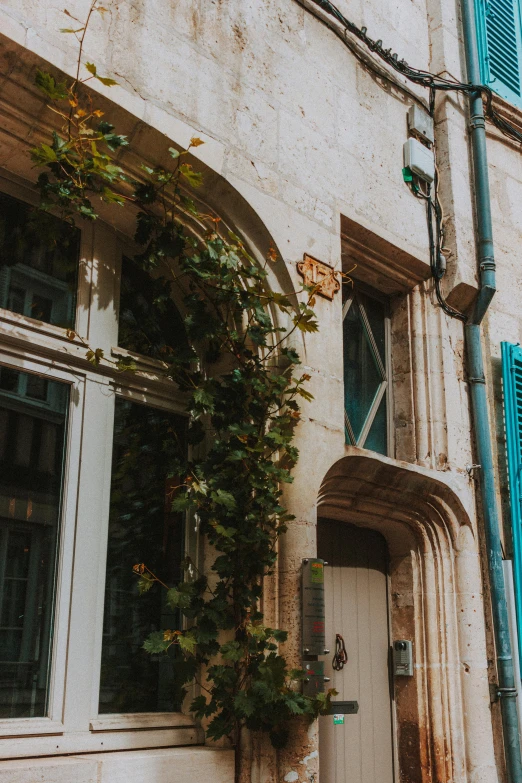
(81, 40)
(239, 507)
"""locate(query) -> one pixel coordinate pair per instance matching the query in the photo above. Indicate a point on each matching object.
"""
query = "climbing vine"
(243, 386)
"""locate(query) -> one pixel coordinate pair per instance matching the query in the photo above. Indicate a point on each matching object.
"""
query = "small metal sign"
(314, 679)
(338, 719)
(312, 590)
(344, 708)
(319, 275)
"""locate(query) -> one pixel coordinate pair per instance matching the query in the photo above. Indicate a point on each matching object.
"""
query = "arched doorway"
(356, 748)
(435, 601)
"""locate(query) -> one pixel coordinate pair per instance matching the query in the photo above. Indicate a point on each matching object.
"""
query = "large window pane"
(142, 529)
(32, 437)
(149, 322)
(377, 439)
(38, 263)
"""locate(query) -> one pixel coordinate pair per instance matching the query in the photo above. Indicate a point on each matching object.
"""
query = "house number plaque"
(312, 612)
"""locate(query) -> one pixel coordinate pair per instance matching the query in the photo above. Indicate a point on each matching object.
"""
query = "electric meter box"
(403, 658)
(420, 124)
(419, 159)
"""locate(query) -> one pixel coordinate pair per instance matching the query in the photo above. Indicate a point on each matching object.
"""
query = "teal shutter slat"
(512, 385)
(499, 30)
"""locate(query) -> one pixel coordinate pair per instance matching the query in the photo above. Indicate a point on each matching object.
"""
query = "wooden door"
(360, 750)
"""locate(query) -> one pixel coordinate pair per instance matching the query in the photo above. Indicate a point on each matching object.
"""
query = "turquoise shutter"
(499, 28)
(512, 383)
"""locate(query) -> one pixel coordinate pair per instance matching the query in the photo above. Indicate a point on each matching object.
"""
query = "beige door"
(359, 750)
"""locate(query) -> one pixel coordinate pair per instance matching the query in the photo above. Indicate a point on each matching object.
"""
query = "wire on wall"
(415, 75)
(434, 213)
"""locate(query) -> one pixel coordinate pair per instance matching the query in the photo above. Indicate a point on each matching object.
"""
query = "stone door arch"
(443, 725)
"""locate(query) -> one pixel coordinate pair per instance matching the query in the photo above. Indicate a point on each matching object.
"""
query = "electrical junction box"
(420, 124)
(403, 658)
(419, 159)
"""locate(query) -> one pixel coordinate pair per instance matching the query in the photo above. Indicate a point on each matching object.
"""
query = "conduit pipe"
(506, 690)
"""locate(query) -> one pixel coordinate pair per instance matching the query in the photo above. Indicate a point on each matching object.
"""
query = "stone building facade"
(303, 152)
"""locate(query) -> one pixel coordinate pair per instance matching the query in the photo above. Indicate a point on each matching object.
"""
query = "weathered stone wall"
(306, 134)
(303, 131)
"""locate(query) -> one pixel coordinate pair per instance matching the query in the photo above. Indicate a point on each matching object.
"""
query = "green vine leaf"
(306, 322)
(226, 532)
(43, 155)
(224, 498)
(144, 584)
(177, 599)
(231, 651)
(95, 357)
(103, 79)
(53, 90)
(124, 364)
(181, 503)
(187, 642)
(194, 178)
(235, 368)
(156, 643)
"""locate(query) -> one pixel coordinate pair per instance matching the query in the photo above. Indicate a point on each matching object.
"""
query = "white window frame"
(73, 723)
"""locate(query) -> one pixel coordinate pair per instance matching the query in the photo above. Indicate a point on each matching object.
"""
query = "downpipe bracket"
(498, 693)
(477, 121)
(487, 264)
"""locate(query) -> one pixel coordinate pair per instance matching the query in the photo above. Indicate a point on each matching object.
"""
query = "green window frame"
(499, 33)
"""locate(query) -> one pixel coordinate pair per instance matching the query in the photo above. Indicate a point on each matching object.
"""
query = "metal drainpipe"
(506, 679)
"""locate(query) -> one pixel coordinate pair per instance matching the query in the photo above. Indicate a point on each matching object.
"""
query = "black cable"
(364, 58)
(415, 75)
(436, 272)
(434, 208)
(433, 83)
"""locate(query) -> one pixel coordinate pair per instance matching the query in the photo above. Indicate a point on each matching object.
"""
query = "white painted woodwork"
(360, 750)
(98, 742)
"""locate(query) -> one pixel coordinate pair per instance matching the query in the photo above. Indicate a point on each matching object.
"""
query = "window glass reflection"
(362, 377)
(32, 438)
(142, 528)
(149, 322)
(364, 356)
(38, 263)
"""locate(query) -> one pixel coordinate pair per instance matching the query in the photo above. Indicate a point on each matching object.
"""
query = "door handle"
(340, 654)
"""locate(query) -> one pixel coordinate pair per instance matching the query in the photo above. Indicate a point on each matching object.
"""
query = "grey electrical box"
(420, 124)
(419, 159)
(403, 658)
